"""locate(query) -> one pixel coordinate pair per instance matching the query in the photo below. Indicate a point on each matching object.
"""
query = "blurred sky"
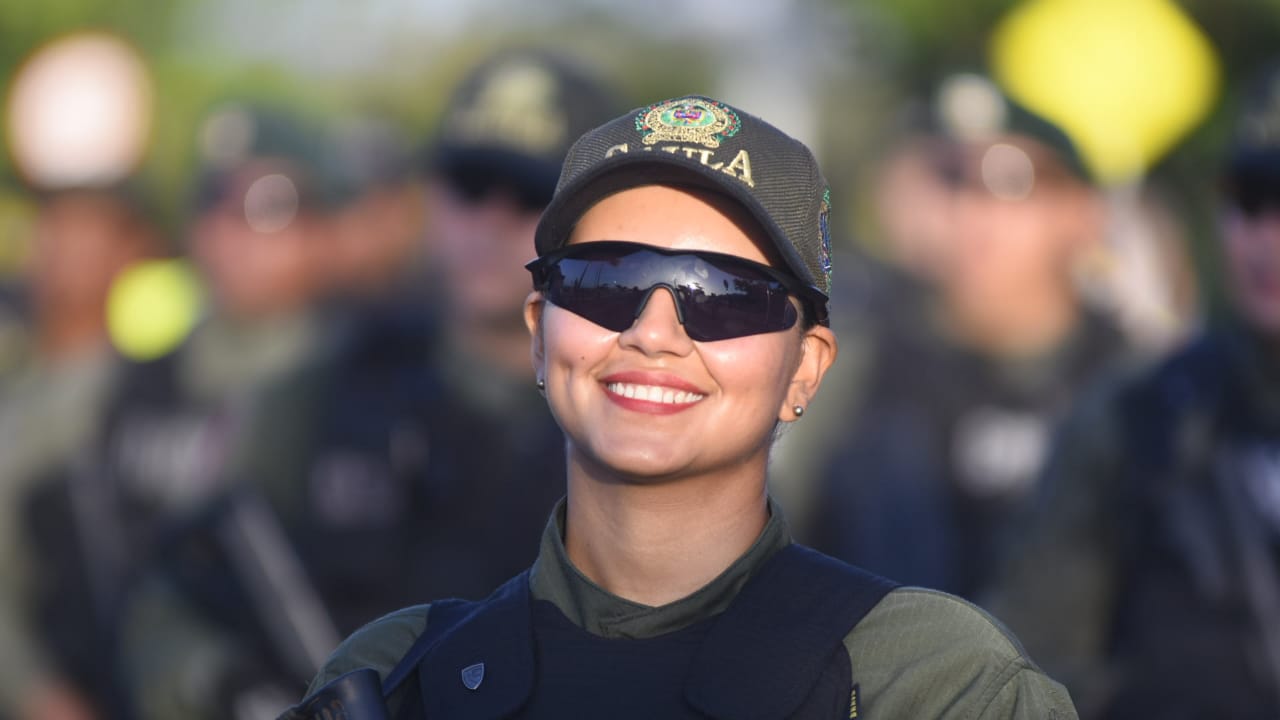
(838, 74)
(773, 49)
(290, 30)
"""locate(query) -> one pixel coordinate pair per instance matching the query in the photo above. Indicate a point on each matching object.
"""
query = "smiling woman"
(679, 313)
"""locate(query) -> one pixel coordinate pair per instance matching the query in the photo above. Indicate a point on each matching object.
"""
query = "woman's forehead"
(676, 217)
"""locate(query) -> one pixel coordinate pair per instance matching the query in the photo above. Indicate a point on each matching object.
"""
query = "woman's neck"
(654, 544)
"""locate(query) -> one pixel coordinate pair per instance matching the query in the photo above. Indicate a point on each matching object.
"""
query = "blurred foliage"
(920, 41)
(26, 25)
(934, 36)
(930, 38)
(896, 51)
(408, 88)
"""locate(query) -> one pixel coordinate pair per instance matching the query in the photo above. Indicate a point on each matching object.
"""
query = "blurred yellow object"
(1126, 79)
(152, 308)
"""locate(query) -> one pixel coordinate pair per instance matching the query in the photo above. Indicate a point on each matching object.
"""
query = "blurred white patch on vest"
(1260, 467)
(172, 460)
(999, 451)
(349, 488)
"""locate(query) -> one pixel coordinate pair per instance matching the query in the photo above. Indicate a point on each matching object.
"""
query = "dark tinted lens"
(719, 297)
(584, 287)
(1255, 198)
(724, 299)
(720, 317)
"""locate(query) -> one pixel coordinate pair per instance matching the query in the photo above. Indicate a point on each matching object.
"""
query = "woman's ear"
(533, 306)
(818, 350)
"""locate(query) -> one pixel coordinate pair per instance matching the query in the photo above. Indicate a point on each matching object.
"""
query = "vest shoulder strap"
(442, 616)
(780, 634)
(403, 685)
(353, 695)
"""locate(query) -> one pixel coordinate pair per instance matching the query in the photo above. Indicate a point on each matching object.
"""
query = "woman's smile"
(655, 393)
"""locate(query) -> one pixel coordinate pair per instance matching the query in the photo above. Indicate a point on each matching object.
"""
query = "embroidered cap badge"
(688, 120)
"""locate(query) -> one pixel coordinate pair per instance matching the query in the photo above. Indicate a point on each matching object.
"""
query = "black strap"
(460, 626)
(1261, 582)
(493, 638)
(780, 633)
(353, 696)
(442, 616)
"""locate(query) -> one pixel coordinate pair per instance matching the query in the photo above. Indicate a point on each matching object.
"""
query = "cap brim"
(522, 170)
(1255, 162)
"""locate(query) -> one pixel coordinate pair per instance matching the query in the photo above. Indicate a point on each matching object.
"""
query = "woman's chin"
(639, 463)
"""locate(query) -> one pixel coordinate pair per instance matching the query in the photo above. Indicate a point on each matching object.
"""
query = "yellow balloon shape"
(152, 308)
(1126, 79)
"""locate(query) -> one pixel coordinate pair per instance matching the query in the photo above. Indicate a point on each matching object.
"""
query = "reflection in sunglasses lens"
(717, 297)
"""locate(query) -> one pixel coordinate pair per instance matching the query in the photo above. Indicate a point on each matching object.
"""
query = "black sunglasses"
(474, 184)
(717, 296)
(1254, 192)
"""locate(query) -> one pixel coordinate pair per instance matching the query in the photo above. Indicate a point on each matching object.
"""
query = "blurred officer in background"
(429, 460)
(965, 382)
(169, 439)
(375, 254)
(436, 446)
(1151, 584)
(48, 411)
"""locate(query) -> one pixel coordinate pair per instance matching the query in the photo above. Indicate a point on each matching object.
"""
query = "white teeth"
(654, 393)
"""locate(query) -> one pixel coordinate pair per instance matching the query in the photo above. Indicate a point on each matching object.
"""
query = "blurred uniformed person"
(170, 437)
(935, 464)
(1152, 580)
(49, 410)
(426, 461)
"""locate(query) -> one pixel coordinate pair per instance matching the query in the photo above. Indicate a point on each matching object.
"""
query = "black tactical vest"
(776, 652)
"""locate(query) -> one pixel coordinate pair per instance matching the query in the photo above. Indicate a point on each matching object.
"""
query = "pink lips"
(654, 393)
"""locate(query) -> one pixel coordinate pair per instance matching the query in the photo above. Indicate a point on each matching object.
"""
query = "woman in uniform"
(678, 321)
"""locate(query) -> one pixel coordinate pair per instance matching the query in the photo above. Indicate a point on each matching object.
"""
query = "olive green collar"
(596, 610)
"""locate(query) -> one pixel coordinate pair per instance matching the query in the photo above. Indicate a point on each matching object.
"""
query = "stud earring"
(542, 384)
(798, 410)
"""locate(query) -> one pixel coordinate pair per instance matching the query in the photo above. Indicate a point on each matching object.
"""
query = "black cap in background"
(513, 118)
(972, 108)
(239, 134)
(1255, 143)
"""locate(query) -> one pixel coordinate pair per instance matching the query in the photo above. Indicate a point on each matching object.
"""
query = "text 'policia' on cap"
(702, 142)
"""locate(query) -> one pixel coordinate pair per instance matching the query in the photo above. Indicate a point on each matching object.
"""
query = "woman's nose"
(658, 329)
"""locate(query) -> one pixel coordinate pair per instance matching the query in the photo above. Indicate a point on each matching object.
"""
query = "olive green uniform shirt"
(917, 654)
